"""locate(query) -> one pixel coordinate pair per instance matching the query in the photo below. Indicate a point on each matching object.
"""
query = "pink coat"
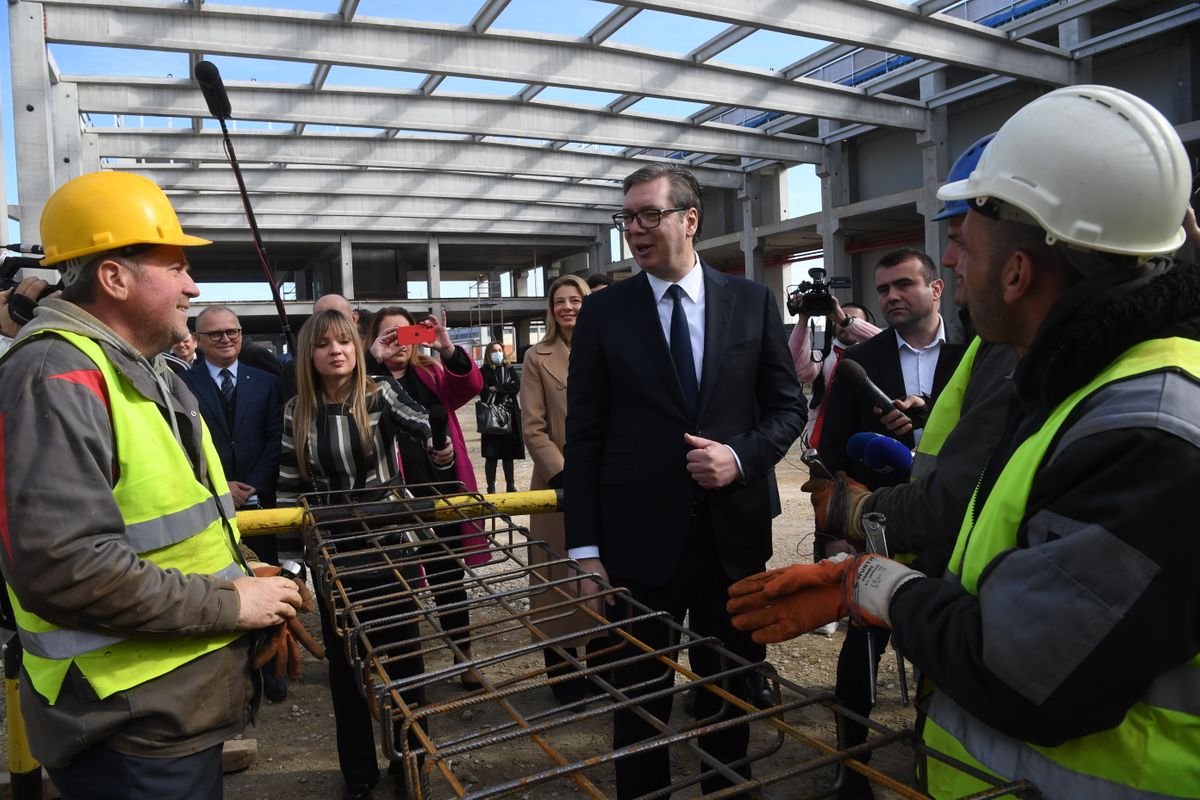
(455, 391)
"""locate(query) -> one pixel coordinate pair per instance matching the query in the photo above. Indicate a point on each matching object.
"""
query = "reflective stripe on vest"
(944, 415)
(1155, 751)
(172, 520)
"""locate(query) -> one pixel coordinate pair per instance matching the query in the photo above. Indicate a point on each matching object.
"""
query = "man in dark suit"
(681, 399)
(244, 412)
(909, 359)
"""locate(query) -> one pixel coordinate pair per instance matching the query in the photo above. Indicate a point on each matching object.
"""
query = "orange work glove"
(838, 505)
(782, 604)
(282, 644)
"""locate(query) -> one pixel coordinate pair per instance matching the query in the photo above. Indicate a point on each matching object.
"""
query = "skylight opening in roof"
(479, 86)
(661, 107)
(111, 121)
(262, 70)
(579, 97)
(236, 124)
(351, 129)
(517, 140)
(373, 78)
(563, 17)
(769, 50)
(80, 59)
(452, 12)
(594, 148)
(676, 33)
(320, 6)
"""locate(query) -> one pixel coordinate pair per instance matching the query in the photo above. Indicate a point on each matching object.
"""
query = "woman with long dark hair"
(449, 382)
(501, 384)
(340, 432)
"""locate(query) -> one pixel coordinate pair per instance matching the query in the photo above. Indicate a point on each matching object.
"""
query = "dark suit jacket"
(847, 412)
(250, 451)
(626, 481)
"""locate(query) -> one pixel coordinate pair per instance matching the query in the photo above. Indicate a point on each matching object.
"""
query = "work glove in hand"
(837, 505)
(783, 603)
(281, 647)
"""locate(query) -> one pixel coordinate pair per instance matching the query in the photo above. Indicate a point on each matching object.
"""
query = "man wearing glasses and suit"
(244, 412)
(681, 398)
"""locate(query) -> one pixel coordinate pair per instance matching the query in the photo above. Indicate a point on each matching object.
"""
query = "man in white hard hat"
(1064, 645)
(117, 532)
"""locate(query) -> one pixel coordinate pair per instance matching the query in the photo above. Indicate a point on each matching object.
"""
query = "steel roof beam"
(530, 58)
(408, 183)
(313, 222)
(370, 151)
(446, 113)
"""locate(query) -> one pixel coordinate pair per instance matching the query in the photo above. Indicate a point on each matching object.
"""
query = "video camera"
(13, 258)
(812, 297)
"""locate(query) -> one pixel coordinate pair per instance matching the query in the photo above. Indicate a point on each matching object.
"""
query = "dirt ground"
(296, 745)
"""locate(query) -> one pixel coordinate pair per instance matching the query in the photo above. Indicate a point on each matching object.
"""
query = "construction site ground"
(296, 744)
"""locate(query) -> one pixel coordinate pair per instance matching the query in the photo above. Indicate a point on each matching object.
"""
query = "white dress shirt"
(693, 305)
(215, 372)
(918, 366)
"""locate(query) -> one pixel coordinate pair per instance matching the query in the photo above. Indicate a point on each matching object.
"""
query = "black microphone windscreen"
(852, 371)
(213, 88)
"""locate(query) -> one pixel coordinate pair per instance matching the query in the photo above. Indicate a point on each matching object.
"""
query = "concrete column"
(434, 279)
(32, 128)
(521, 341)
(935, 163)
(68, 134)
(752, 246)
(600, 255)
(834, 173)
(1071, 33)
(90, 155)
(347, 266)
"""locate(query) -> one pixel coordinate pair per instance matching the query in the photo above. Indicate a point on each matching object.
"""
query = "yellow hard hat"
(108, 210)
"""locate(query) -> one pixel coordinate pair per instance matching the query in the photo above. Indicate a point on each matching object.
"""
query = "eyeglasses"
(215, 336)
(647, 217)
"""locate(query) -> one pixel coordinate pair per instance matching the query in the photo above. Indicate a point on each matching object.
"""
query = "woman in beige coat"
(544, 420)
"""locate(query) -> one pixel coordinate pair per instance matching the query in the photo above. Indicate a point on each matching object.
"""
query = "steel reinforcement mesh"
(393, 568)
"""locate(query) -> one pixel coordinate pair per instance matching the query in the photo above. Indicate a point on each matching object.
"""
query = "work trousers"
(699, 587)
(101, 773)
(352, 718)
(853, 688)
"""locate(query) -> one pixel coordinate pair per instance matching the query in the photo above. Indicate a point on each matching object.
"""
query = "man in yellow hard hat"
(117, 532)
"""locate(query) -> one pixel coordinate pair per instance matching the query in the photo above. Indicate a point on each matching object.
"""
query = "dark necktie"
(227, 392)
(681, 351)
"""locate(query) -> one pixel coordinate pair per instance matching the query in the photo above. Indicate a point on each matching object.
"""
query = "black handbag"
(493, 418)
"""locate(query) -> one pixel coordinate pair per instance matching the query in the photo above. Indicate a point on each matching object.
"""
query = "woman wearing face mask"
(501, 384)
(340, 432)
(544, 418)
(448, 383)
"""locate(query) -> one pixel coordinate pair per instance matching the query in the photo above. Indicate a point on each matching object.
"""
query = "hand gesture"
(442, 342)
(711, 464)
(385, 346)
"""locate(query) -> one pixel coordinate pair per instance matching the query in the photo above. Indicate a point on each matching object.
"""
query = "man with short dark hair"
(598, 280)
(681, 400)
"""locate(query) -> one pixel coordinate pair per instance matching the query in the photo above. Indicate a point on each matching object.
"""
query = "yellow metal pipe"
(267, 521)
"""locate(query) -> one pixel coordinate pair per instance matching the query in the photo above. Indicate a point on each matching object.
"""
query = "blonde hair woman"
(544, 419)
(339, 433)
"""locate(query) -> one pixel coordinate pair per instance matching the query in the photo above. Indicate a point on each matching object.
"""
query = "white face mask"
(496, 358)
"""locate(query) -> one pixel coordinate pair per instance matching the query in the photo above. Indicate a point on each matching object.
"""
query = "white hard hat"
(1094, 166)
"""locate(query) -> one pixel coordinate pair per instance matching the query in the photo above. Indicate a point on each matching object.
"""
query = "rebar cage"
(391, 565)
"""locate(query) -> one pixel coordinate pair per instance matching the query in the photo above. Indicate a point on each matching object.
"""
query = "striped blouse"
(333, 453)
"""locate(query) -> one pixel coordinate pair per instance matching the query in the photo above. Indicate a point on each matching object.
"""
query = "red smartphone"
(415, 334)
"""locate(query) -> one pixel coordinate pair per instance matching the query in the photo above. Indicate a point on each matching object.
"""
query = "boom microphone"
(850, 370)
(209, 78)
(437, 424)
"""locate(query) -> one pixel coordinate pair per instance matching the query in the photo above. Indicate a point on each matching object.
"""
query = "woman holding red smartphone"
(450, 383)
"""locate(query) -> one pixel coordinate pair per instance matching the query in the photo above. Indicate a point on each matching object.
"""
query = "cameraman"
(850, 324)
(30, 287)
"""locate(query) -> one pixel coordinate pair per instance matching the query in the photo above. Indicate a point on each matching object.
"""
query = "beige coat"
(544, 423)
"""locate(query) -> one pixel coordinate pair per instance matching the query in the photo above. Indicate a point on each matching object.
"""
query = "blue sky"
(764, 49)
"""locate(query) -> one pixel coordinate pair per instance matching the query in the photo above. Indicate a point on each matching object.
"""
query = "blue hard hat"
(961, 170)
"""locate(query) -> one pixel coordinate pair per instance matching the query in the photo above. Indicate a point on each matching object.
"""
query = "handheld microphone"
(858, 443)
(437, 424)
(851, 371)
(888, 456)
(209, 78)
